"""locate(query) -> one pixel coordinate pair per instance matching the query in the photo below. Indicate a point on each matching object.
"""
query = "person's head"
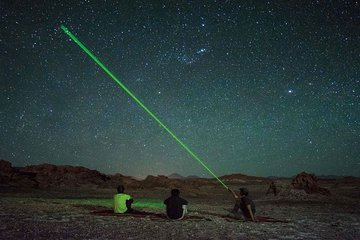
(175, 192)
(244, 192)
(120, 189)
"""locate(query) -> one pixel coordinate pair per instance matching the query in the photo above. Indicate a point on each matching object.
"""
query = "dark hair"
(175, 192)
(244, 191)
(120, 189)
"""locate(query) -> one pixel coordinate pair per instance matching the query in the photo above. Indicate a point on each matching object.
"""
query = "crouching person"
(176, 207)
(122, 201)
(245, 204)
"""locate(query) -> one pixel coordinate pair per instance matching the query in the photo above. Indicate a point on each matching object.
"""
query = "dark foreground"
(29, 214)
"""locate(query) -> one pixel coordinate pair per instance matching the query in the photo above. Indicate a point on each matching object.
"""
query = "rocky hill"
(53, 176)
(48, 175)
(241, 178)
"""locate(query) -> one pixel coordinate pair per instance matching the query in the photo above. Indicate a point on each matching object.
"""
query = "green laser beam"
(137, 100)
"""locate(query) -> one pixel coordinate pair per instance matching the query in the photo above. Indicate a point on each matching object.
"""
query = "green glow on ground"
(138, 101)
(148, 204)
(138, 203)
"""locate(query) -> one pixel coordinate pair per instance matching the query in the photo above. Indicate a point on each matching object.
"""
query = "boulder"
(309, 183)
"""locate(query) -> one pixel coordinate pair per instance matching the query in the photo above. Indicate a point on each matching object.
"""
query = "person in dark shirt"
(244, 203)
(175, 205)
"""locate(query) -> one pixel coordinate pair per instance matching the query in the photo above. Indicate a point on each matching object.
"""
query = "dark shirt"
(244, 201)
(174, 208)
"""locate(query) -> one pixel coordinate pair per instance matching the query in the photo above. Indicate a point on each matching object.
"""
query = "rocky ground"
(60, 214)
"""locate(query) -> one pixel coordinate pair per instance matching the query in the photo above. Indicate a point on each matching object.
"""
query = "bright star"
(201, 50)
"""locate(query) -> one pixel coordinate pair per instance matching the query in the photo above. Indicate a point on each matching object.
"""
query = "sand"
(74, 214)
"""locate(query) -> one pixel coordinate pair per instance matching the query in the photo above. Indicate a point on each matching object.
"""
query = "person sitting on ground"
(175, 205)
(244, 203)
(122, 201)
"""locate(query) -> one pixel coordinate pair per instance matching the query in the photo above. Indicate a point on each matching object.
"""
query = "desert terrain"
(85, 211)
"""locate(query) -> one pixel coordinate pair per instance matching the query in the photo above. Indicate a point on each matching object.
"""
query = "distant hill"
(240, 176)
(49, 175)
(192, 177)
(329, 177)
(60, 176)
(278, 178)
(178, 176)
(57, 176)
(175, 176)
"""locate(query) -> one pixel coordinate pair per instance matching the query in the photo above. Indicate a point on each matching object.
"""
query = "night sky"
(266, 88)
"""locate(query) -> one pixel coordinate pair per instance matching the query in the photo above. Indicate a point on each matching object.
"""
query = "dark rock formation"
(5, 167)
(309, 183)
(10, 176)
(273, 189)
(161, 181)
(48, 175)
(119, 179)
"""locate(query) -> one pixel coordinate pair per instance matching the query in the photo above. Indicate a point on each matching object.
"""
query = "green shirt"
(120, 202)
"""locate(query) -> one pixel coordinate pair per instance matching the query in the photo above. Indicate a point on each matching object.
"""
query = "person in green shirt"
(122, 201)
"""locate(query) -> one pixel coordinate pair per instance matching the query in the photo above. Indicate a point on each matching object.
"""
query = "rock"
(119, 179)
(5, 167)
(6, 171)
(273, 189)
(24, 180)
(161, 181)
(308, 182)
(10, 176)
(48, 175)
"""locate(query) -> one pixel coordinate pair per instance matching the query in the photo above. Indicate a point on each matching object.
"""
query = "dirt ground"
(76, 214)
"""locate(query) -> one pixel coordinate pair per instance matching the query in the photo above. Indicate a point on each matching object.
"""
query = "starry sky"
(265, 88)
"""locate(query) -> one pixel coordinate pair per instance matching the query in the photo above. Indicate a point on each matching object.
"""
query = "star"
(240, 84)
